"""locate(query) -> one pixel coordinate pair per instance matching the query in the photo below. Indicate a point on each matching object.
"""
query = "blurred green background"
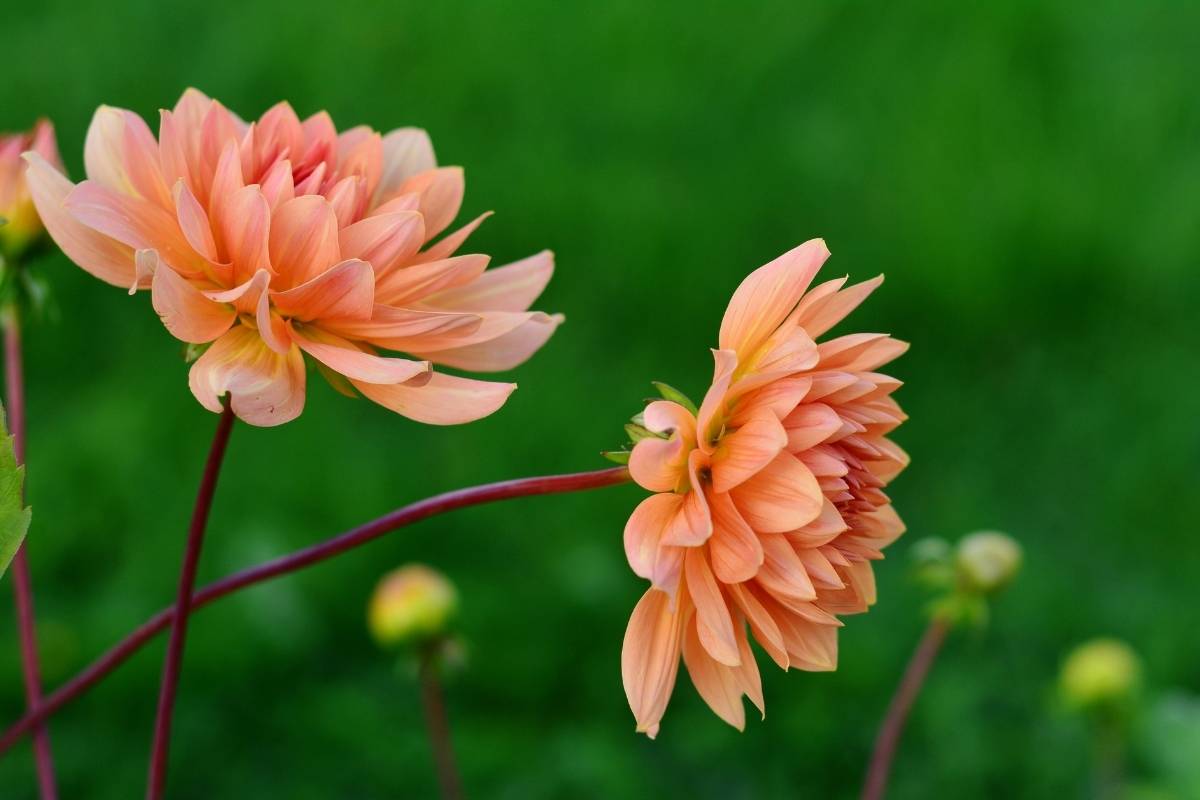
(1025, 173)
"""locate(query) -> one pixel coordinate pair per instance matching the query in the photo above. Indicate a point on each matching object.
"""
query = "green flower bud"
(1102, 673)
(987, 560)
(411, 605)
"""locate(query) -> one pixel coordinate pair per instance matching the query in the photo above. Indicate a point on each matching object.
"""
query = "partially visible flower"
(19, 223)
(411, 605)
(281, 240)
(1101, 673)
(988, 560)
(769, 504)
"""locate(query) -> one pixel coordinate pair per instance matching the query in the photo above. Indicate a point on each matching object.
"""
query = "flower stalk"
(14, 376)
(437, 722)
(293, 562)
(160, 753)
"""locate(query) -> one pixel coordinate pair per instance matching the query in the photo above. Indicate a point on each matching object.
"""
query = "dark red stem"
(437, 722)
(355, 537)
(902, 702)
(14, 377)
(160, 753)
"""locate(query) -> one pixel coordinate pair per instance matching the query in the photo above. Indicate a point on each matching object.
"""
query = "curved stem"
(14, 381)
(902, 702)
(438, 723)
(183, 605)
(355, 537)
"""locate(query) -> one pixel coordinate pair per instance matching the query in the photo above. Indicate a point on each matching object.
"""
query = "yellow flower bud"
(1100, 673)
(410, 605)
(988, 560)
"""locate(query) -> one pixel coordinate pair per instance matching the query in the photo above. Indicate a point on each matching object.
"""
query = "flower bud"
(988, 560)
(1100, 673)
(20, 225)
(411, 605)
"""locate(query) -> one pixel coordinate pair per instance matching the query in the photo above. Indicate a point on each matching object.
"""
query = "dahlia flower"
(19, 223)
(281, 240)
(769, 504)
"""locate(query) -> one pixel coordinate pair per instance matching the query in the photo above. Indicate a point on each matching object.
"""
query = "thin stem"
(438, 723)
(14, 375)
(293, 562)
(902, 702)
(183, 605)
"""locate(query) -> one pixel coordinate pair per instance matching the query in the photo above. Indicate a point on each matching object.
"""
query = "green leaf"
(14, 515)
(637, 433)
(669, 392)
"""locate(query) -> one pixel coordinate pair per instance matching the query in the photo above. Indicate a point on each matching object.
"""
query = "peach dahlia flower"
(19, 223)
(769, 504)
(283, 238)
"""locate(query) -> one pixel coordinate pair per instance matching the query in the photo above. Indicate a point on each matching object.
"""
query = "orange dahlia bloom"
(283, 239)
(19, 223)
(769, 504)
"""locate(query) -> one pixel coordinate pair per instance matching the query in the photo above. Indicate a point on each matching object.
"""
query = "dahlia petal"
(745, 451)
(503, 352)
(405, 328)
(344, 358)
(245, 227)
(107, 259)
(860, 352)
(809, 425)
(385, 240)
(445, 247)
(277, 184)
(715, 682)
(227, 179)
(406, 152)
(650, 658)
(692, 526)
(360, 153)
(103, 150)
(139, 223)
(245, 295)
(746, 672)
(644, 530)
(736, 552)
(304, 239)
(658, 465)
(185, 311)
(712, 408)
(193, 221)
(783, 573)
(713, 623)
(824, 529)
(780, 397)
(444, 400)
(667, 416)
(348, 198)
(345, 290)
(265, 387)
(411, 284)
(782, 496)
(811, 646)
(819, 568)
(440, 193)
(766, 297)
(763, 625)
(818, 317)
(513, 287)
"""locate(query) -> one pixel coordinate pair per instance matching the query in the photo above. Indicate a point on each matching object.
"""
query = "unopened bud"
(1100, 673)
(19, 222)
(411, 605)
(988, 560)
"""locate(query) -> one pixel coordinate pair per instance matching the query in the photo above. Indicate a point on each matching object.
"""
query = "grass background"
(1026, 174)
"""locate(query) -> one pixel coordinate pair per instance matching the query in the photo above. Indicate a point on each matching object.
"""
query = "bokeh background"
(1027, 175)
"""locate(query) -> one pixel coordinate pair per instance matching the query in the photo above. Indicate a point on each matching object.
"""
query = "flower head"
(988, 560)
(769, 503)
(19, 223)
(282, 239)
(411, 604)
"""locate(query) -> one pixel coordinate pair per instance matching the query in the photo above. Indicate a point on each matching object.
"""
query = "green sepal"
(669, 392)
(637, 433)
(617, 456)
